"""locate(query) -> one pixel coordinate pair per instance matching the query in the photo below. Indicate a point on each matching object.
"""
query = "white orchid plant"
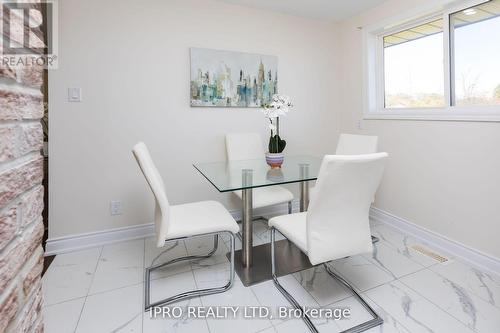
(280, 105)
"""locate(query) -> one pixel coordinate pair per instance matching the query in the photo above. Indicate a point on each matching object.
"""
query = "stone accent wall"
(21, 199)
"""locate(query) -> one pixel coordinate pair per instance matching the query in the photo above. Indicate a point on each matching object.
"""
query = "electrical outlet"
(116, 207)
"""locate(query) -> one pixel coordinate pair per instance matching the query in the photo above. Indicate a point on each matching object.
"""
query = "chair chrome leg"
(192, 293)
(377, 320)
(285, 293)
(289, 207)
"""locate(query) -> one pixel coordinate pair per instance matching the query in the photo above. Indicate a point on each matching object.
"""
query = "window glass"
(413, 67)
(475, 48)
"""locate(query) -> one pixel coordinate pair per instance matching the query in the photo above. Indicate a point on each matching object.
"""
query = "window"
(475, 35)
(444, 65)
(413, 67)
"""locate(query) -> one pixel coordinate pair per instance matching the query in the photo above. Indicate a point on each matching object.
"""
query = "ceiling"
(331, 10)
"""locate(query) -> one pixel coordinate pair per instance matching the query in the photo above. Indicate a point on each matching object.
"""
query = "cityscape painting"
(234, 79)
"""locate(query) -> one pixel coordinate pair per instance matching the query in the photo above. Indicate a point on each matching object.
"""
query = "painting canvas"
(232, 79)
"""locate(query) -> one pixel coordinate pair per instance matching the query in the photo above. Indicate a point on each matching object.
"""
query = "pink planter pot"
(275, 160)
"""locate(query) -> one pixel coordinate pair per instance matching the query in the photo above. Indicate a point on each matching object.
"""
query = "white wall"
(444, 176)
(131, 59)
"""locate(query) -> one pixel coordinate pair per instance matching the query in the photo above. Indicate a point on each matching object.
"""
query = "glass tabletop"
(237, 175)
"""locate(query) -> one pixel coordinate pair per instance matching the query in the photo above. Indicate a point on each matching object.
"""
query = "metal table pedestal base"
(289, 260)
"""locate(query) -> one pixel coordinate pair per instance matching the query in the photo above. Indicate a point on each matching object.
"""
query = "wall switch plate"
(74, 94)
(116, 207)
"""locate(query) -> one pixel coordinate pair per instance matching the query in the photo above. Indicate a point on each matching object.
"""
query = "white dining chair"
(353, 144)
(336, 224)
(248, 146)
(180, 222)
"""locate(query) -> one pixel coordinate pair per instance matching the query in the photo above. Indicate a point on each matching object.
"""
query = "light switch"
(74, 94)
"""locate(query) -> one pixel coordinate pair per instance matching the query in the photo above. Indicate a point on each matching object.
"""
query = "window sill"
(480, 113)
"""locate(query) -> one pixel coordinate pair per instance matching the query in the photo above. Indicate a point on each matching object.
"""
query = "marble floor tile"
(261, 230)
(70, 276)
(403, 243)
(119, 265)
(259, 241)
(392, 262)
(390, 325)
(154, 255)
(466, 307)
(413, 311)
(62, 317)
(358, 315)
(172, 285)
(360, 272)
(204, 245)
(482, 284)
(323, 288)
(289, 326)
(238, 296)
(265, 235)
(213, 276)
(237, 241)
(119, 310)
(183, 324)
(261, 235)
(107, 295)
(268, 295)
(237, 244)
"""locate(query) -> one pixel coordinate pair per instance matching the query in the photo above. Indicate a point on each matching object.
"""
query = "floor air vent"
(425, 251)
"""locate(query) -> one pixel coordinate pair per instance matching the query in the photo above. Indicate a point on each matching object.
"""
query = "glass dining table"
(253, 264)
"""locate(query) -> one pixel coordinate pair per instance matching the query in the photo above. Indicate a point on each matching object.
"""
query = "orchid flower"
(279, 106)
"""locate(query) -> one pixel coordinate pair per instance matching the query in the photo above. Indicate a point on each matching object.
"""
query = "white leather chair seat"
(200, 218)
(293, 227)
(267, 196)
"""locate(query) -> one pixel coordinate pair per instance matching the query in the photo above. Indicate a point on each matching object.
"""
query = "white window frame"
(373, 49)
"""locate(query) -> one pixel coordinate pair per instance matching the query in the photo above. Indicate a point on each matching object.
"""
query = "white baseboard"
(467, 253)
(72, 243)
(88, 240)
(77, 242)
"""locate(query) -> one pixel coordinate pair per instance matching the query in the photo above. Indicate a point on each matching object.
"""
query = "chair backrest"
(337, 217)
(352, 144)
(244, 146)
(153, 177)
